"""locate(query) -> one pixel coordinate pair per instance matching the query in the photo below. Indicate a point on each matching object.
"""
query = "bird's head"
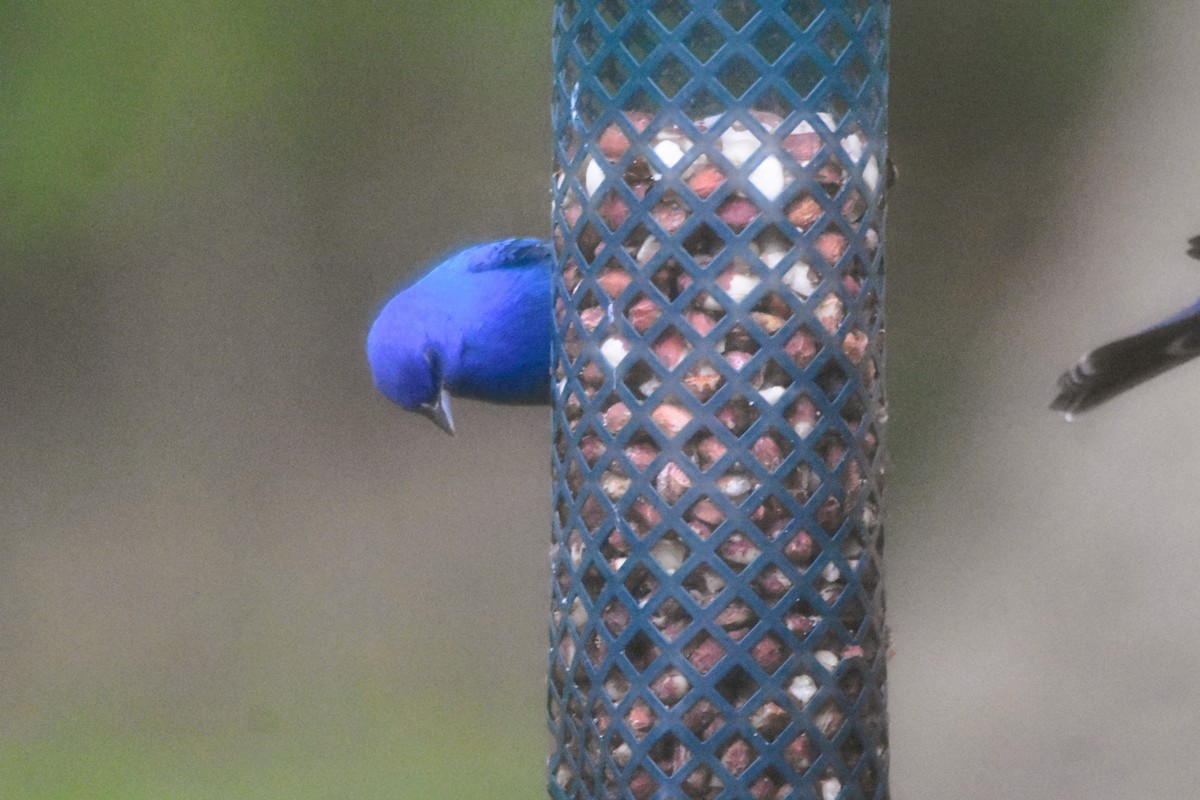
(408, 368)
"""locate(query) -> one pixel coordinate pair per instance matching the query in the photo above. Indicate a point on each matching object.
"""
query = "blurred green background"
(229, 570)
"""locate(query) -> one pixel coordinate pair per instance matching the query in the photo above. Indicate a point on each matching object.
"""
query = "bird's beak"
(439, 412)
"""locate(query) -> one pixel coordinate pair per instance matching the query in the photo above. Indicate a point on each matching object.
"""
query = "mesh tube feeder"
(717, 626)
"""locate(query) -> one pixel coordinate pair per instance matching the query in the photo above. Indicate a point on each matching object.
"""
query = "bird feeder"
(717, 628)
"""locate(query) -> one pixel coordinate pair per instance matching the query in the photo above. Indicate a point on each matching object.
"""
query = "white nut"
(593, 177)
(614, 350)
(768, 177)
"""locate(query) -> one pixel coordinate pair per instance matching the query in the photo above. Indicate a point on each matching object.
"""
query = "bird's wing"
(511, 253)
(1194, 250)
(1111, 369)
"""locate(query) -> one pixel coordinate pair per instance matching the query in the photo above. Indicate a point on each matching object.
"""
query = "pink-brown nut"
(830, 515)
(851, 285)
(617, 686)
(803, 211)
(802, 146)
(672, 483)
(831, 175)
(706, 512)
(770, 719)
(613, 142)
(700, 321)
(670, 687)
(592, 317)
(708, 450)
(854, 345)
(737, 358)
(801, 550)
(735, 615)
(572, 343)
(770, 323)
(737, 281)
(738, 550)
(671, 418)
(592, 512)
(670, 215)
(772, 508)
(831, 312)
(703, 381)
(617, 543)
(643, 516)
(642, 314)
(870, 442)
(735, 417)
(800, 752)
(591, 377)
(571, 275)
(736, 485)
(573, 409)
(670, 619)
(852, 477)
(834, 452)
(675, 759)
(712, 728)
(640, 454)
(737, 339)
(802, 347)
(803, 415)
(737, 212)
(615, 617)
(706, 180)
(615, 483)
(591, 448)
(764, 788)
(854, 206)
(705, 655)
(831, 246)
(737, 756)
(699, 782)
(800, 624)
(776, 306)
(768, 452)
(829, 719)
(671, 348)
(613, 211)
(772, 584)
(616, 416)
(768, 119)
(769, 653)
(572, 211)
(697, 718)
(641, 785)
(640, 719)
(613, 280)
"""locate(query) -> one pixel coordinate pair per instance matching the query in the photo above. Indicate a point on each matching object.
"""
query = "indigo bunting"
(1111, 369)
(479, 324)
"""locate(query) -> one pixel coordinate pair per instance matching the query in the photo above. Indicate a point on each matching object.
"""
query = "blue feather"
(479, 324)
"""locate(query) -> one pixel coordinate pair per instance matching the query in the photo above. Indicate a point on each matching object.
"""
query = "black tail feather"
(1117, 366)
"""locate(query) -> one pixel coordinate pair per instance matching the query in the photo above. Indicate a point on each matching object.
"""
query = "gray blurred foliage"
(228, 569)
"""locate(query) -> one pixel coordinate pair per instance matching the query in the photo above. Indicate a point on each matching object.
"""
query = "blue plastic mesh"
(717, 626)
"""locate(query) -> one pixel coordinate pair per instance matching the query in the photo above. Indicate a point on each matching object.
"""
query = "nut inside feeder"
(718, 627)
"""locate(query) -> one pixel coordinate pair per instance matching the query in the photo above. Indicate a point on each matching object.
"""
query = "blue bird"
(479, 324)
(1117, 366)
